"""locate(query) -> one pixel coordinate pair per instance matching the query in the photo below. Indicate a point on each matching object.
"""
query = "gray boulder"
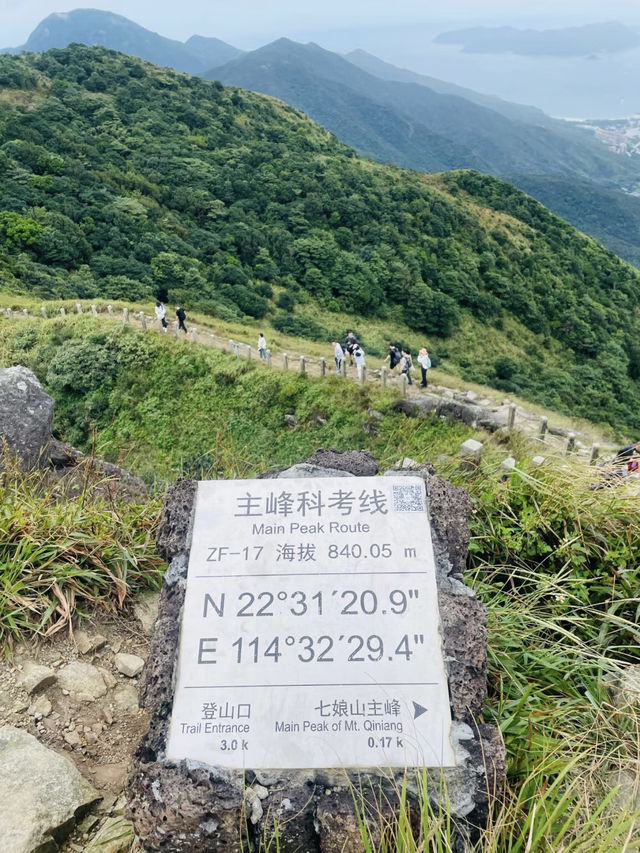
(26, 413)
(42, 794)
(467, 412)
(82, 680)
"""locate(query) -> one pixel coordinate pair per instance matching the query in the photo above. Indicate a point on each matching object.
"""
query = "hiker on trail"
(626, 461)
(629, 456)
(393, 357)
(405, 365)
(338, 355)
(425, 363)
(161, 313)
(181, 314)
(262, 347)
(350, 342)
(358, 354)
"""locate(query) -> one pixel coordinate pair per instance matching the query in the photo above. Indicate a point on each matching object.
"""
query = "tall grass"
(60, 555)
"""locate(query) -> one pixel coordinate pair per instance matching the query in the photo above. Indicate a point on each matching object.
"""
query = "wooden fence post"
(110, 310)
(512, 415)
(595, 452)
(78, 308)
(125, 315)
(43, 310)
(62, 311)
(285, 361)
(543, 428)
(363, 375)
(195, 334)
(94, 310)
(571, 443)
(323, 366)
(403, 382)
(343, 367)
(383, 376)
(143, 320)
(268, 358)
(303, 364)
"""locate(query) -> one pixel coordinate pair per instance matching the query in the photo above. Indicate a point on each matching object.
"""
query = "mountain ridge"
(94, 26)
(124, 180)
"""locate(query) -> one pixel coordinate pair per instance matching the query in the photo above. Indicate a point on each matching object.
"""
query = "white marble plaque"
(310, 631)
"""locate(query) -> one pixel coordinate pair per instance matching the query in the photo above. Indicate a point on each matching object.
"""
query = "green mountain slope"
(403, 124)
(478, 137)
(123, 180)
(418, 122)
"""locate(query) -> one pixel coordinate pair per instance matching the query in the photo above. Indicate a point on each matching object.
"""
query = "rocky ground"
(78, 695)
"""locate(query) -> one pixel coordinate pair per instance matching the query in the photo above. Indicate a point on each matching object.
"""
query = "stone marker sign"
(314, 639)
(310, 634)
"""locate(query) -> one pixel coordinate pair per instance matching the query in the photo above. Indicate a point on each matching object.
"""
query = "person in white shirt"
(262, 346)
(358, 354)
(338, 354)
(425, 363)
(161, 313)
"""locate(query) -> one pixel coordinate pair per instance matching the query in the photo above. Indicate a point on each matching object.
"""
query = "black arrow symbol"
(418, 710)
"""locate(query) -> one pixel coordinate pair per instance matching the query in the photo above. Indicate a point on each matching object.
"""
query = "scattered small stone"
(125, 699)
(88, 644)
(107, 713)
(261, 791)
(254, 806)
(471, 449)
(508, 464)
(73, 739)
(129, 665)
(291, 420)
(116, 645)
(629, 687)
(83, 680)
(35, 677)
(40, 708)
(537, 461)
(146, 611)
(375, 415)
(109, 678)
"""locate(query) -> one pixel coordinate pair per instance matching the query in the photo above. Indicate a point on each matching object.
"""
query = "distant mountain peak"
(108, 29)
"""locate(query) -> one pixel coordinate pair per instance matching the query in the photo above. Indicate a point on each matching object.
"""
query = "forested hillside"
(120, 179)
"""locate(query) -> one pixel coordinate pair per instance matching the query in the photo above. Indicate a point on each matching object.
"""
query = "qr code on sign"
(407, 499)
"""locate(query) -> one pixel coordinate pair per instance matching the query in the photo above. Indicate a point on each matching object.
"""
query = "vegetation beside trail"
(555, 563)
(122, 180)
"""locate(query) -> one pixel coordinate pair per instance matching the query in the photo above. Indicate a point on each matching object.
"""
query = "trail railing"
(313, 366)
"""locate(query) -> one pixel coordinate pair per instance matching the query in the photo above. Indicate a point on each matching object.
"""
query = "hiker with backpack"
(181, 314)
(406, 365)
(393, 357)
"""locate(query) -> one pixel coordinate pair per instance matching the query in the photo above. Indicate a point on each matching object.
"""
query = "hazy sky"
(249, 23)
